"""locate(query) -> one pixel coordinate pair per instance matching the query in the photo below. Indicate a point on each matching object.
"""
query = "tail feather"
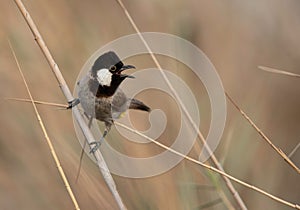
(136, 104)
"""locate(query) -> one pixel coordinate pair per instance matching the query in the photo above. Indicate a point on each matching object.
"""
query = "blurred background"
(237, 36)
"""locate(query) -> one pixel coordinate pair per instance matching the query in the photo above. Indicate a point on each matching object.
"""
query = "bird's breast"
(102, 108)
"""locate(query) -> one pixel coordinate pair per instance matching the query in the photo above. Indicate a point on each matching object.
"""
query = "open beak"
(125, 67)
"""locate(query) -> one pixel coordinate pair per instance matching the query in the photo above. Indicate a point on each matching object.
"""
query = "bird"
(100, 96)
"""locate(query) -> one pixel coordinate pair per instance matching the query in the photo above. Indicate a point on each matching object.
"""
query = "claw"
(73, 103)
(97, 145)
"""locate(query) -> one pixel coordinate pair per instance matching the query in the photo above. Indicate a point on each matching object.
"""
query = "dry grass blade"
(209, 204)
(278, 150)
(77, 115)
(294, 150)
(82, 153)
(277, 71)
(296, 206)
(214, 159)
(49, 142)
(80, 162)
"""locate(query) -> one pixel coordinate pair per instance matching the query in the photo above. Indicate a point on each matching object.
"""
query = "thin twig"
(39, 102)
(48, 140)
(273, 197)
(231, 188)
(66, 91)
(277, 71)
(278, 150)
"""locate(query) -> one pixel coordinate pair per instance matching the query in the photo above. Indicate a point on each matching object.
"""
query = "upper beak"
(125, 67)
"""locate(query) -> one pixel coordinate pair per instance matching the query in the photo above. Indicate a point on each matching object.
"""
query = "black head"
(107, 73)
(107, 61)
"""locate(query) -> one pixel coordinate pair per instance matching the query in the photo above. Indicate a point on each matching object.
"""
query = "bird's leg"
(73, 103)
(98, 143)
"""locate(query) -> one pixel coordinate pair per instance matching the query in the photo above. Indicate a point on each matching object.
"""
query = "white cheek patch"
(104, 77)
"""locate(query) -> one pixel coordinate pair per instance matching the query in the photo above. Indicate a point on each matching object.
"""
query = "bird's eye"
(113, 68)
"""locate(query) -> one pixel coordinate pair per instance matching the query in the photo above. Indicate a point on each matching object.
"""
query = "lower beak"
(127, 76)
(125, 68)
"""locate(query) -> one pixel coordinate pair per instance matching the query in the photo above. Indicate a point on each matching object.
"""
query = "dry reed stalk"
(66, 91)
(280, 200)
(69, 96)
(48, 140)
(278, 150)
(214, 159)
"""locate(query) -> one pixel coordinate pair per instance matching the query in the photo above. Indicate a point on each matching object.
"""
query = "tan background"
(236, 35)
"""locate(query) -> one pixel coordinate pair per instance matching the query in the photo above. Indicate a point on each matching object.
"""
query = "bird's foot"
(97, 145)
(73, 103)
